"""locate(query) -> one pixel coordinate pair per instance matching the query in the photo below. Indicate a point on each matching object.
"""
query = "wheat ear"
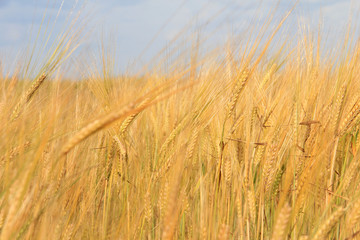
(326, 227)
(105, 121)
(126, 123)
(252, 206)
(337, 108)
(281, 223)
(95, 126)
(224, 232)
(349, 119)
(354, 215)
(239, 87)
(27, 96)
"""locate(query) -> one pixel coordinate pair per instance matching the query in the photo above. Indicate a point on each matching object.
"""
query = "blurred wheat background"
(245, 141)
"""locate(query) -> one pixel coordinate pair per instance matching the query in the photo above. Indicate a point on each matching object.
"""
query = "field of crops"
(253, 142)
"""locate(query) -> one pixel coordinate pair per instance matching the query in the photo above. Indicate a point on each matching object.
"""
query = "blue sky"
(133, 24)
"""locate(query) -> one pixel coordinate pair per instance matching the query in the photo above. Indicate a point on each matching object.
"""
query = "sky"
(138, 29)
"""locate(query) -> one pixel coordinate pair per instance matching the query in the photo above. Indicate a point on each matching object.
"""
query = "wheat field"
(257, 142)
